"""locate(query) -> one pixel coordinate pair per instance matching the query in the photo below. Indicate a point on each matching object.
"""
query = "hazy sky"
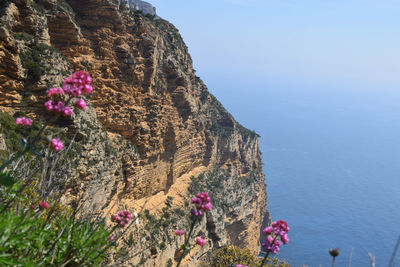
(332, 43)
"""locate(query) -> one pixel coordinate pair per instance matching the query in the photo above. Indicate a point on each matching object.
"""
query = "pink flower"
(67, 111)
(195, 213)
(55, 91)
(71, 89)
(82, 77)
(79, 83)
(23, 121)
(87, 89)
(49, 105)
(76, 85)
(180, 232)
(281, 225)
(56, 144)
(200, 241)
(122, 217)
(202, 202)
(285, 239)
(240, 265)
(43, 205)
(267, 230)
(127, 214)
(115, 217)
(278, 230)
(59, 107)
(207, 206)
(80, 103)
(111, 238)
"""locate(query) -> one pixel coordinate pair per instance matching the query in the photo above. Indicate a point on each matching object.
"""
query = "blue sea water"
(333, 172)
(331, 159)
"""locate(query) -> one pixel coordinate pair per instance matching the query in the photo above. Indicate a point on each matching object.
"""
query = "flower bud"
(334, 252)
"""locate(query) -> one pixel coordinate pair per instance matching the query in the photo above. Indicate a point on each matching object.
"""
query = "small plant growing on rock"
(238, 257)
(74, 87)
(276, 235)
(202, 202)
(35, 230)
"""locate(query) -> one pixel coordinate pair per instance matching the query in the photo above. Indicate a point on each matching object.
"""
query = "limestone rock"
(145, 7)
(151, 124)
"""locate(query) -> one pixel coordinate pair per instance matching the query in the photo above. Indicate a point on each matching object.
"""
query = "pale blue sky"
(332, 43)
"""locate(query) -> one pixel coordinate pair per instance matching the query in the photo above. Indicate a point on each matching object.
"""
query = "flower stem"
(267, 254)
(36, 138)
(184, 247)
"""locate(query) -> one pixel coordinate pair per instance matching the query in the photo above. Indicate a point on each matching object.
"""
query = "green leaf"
(6, 179)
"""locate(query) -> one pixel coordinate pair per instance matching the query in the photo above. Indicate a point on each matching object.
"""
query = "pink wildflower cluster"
(278, 230)
(43, 205)
(200, 241)
(74, 86)
(78, 84)
(180, 232)
(240, 265)
(80, 103)
(122, 217)
(203, 203)
(56, 144)
(23, 121)
(55, 91)
(59, 108)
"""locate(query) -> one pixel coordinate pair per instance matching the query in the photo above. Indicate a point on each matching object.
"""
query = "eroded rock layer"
(159, 118)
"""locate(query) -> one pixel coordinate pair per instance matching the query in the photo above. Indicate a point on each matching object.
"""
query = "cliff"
(152, 130)
(145, 7)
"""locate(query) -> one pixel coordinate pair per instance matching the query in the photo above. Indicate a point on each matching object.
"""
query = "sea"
(332, 162)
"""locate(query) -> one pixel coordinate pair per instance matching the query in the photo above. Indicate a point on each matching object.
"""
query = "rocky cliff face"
(152, 131)
(145, 7)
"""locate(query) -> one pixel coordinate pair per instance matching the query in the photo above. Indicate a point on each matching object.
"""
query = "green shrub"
(24, 36)
(66, 6)
(159, 227)
(204, 93)
(31, 60)
(38, 7)
(230, 256)
(149, 16)
(32, 231)
(35, 237)
(246, 133)
(216, 183)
